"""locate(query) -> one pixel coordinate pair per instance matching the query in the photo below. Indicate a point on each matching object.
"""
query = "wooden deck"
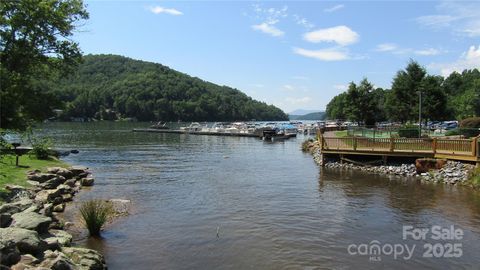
(454, 149)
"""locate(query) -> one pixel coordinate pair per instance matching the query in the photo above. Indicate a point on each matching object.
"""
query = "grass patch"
(11, 174)
(341, 134)
(475, 178)
(95, 214)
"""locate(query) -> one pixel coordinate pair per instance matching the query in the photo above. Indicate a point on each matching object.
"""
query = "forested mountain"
(308, 116)
(108, 86)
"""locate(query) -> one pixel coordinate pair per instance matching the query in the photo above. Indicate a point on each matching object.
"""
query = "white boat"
(194, 126)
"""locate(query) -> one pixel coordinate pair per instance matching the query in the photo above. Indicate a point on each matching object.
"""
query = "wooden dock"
(453, 149)
(177, 131)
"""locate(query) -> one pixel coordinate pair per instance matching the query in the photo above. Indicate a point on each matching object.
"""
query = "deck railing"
(460, 147)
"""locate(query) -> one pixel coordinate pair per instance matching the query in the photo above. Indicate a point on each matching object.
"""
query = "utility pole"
(419, 114)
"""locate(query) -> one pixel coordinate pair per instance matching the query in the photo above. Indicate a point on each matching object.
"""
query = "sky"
(294, 55)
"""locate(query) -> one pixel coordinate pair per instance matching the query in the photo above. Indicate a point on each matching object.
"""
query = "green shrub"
(41, 147)
(453, 132)
(95, 214)
(469, 132)
(306, 145)
(408, 132)
(475, 178)
(470, 127)
(472, 122)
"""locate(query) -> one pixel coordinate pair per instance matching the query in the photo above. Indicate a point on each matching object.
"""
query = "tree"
(361, 103)
(403, 99)
(463, 93)
(434, 99)
(34, 46)
(337, 106)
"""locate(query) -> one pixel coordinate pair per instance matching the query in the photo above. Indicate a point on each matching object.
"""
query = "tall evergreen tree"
(402, 102)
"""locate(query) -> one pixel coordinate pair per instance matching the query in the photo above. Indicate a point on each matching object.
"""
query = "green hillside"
(112, 86)
(308, 116)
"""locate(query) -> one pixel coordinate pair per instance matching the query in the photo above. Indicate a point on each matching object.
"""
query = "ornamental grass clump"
(95, 214)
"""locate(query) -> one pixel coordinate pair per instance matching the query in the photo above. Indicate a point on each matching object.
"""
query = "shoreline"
(33, 234)
(452, 173)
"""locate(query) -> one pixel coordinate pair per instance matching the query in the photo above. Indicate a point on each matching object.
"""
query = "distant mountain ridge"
(109, 87)
(303, 112)
(309, 116)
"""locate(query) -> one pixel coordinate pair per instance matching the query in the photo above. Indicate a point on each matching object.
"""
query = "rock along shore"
(31, 234)
(451, 173)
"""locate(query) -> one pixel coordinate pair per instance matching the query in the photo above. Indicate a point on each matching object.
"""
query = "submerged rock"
(86, 182)
(76, 170)
(85, 258)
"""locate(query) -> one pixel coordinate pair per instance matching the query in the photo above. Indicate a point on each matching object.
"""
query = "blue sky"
(290, 54)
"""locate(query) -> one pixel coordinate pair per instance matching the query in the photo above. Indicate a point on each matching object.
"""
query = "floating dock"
(177, 131)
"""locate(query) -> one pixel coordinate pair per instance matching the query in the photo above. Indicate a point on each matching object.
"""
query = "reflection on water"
(272, 207)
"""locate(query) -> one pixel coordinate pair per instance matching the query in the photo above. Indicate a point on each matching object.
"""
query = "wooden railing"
(460, 147)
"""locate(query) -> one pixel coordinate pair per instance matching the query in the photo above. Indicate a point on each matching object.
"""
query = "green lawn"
(10, 174)
(341, 134)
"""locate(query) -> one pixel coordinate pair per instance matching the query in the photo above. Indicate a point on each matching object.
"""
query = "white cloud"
(288, 87)
(331, 54)
(386, 47)
(436, 20)
(427, 52)
(334, 8)
(269, 18)
(341, 35)
(298, 101)
(171, 11)
(460, 17)
(468, 60)
(303, 22)
(268, 29)
(395, 49)
(341, 87)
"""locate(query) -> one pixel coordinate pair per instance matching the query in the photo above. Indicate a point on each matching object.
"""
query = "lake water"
(205, 202)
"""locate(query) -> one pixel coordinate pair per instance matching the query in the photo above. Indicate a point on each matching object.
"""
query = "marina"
(269, 131)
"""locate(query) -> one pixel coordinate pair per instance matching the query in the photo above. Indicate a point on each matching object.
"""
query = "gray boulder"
(86, 182)
(70, 182)
(31, 221)
(59, 207)
(45, 196)
(53, 182)
(60, 171)
(17, 206)
(5, 220)
(65, 189)
(27, 241)
(41, 177)
(9, 253)
(85, 258)
(47, 209)
(56, 260)
(57, 238)
(27, 261)
(76, 170)
(10, 208)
